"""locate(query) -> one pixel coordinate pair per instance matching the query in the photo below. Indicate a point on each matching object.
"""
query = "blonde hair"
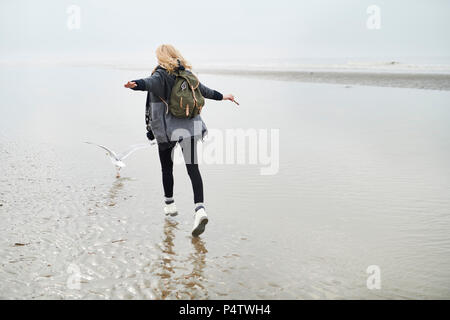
(168, 58)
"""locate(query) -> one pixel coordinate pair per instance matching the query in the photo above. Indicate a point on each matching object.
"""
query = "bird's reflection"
(115, 189)
(181, 286)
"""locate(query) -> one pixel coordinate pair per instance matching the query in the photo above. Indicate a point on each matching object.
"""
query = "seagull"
(117, 159)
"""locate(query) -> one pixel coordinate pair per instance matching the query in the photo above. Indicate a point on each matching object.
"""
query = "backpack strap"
(167, 105)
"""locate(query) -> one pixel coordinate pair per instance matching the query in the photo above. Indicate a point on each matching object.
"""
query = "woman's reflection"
(167, 258)
(184, 286)
(194, 281)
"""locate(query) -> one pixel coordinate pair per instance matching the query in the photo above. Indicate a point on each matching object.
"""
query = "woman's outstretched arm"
(152, 83)
(215, 95)
(229, 97)
(134, 85)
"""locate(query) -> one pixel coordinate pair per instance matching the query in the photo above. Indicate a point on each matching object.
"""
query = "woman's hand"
(229, 97)
(130, 84)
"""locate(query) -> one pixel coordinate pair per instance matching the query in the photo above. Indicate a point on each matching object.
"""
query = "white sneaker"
(200, 221)
(170, 209)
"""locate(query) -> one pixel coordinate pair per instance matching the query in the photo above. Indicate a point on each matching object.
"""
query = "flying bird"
(117, 159)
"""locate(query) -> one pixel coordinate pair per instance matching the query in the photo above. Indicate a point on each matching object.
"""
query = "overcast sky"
(281, 28)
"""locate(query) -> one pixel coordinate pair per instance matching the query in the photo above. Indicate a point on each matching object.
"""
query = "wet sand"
(363, 180)
(434, 81)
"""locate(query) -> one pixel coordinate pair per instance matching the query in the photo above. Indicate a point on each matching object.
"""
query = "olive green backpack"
(186, 100)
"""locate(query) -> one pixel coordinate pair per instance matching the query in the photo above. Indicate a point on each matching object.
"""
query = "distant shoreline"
(430, 81)
(433, 79)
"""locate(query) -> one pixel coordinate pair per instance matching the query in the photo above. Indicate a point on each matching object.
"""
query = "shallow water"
(363, 180)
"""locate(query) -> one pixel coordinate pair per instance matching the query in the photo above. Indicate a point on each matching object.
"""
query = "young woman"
(169, 130)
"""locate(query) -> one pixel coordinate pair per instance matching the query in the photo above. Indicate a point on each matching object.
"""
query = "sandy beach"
(434, 81)
(363, 180)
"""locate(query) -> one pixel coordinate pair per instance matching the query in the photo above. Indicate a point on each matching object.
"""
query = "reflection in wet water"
(116, 187)
(180, 278)
(194, 281)
(167, 259)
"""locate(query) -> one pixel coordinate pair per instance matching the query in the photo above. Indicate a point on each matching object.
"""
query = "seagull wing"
(132, 149)
(111, 153)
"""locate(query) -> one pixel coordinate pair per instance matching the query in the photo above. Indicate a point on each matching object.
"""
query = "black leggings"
(189, 148)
